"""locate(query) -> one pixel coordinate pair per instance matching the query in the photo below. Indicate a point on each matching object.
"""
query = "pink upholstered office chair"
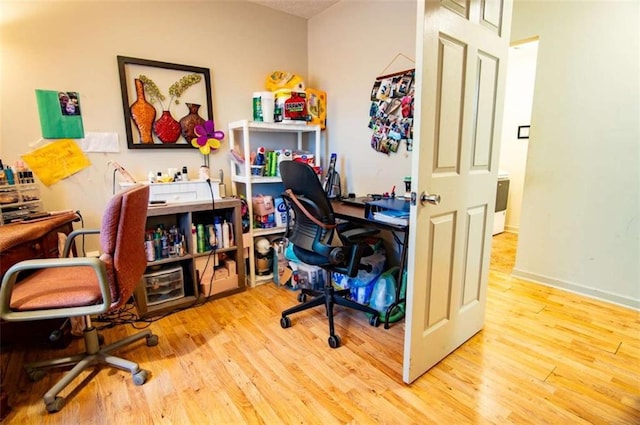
(71, 287)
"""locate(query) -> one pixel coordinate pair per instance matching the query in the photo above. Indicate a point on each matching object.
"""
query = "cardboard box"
(221, 273)
(263, 205)
(218, 286)
(231, 266)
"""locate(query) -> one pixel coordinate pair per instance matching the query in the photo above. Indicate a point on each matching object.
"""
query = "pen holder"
(407, 187)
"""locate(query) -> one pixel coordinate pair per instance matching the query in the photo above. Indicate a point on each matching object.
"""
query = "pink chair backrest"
(122, 241)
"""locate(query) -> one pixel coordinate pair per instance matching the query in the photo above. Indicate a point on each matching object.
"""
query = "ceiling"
(302, 8)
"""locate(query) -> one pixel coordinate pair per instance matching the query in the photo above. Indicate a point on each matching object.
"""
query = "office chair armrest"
(72, 236)
(10, 277)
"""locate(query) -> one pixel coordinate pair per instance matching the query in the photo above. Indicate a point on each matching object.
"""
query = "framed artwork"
(523, 131)
(163, 102)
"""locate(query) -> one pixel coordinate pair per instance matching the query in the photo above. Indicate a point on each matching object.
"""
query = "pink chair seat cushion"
(57, 288)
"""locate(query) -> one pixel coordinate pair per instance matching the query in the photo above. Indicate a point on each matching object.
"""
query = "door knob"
(432, 199)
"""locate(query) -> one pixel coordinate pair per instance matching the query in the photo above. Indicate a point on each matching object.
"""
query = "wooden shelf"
(182, 216)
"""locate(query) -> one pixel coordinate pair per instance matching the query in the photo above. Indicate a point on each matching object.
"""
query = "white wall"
(579, 227)
(521, 75)
(72, 46)
(350, 44)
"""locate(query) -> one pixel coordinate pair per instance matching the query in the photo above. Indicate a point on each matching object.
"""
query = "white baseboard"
(512, 229)
(578, 289)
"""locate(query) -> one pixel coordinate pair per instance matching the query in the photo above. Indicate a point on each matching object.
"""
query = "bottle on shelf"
(149, 246)
(194, 239)
(219, 235)
(225, 235)
(200, 234)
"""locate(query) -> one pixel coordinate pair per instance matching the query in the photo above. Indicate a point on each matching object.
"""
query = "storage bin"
(163, 285)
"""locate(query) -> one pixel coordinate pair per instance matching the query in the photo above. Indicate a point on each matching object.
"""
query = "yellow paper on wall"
(56, 161)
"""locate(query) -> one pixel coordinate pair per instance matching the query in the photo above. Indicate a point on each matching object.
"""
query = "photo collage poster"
(391, 112)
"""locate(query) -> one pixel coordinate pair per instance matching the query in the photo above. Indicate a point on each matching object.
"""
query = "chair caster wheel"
(35, 374)
(302, 297)
(374, 320)
(140, 377)
(334, 341)
(285, 322)
(152, 340)
(56, 405)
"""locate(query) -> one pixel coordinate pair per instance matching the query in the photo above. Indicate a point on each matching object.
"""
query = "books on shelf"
(392, 216)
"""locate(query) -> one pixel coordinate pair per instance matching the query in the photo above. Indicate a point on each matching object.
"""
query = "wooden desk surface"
(356, 214)
(14, 234)
(347, 211)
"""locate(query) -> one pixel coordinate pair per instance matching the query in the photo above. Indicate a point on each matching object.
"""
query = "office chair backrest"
(303, 180)
(122, 241)
(310, 234)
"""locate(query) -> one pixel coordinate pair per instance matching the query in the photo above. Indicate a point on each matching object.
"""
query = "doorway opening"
(514, 146)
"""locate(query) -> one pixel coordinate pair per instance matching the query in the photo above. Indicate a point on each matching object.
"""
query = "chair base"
(94, 355)
(329, 297)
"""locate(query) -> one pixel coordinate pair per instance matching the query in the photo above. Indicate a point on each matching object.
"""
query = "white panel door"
(462, 48)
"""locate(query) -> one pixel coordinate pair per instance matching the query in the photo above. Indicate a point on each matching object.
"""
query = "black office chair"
(311, 231)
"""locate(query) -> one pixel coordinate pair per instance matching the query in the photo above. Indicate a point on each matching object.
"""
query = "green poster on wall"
(60, 115)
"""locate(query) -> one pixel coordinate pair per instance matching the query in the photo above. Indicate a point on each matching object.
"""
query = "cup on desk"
(407, 187)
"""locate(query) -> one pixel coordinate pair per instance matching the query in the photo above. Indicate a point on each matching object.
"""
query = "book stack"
(392, 216)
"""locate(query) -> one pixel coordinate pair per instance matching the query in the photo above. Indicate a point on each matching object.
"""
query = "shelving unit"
(180, 280)
(18, 201)
(244, 137)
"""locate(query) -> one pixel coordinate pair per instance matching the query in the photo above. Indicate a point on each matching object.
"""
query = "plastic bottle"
(185, 175)
(225, 235)
(232, 241)
(9, 174)
(260, 156)
(383, 293)
(182, 248)
(157, 242)
(200, 234)
(219, 235)
(194, 239)
(210, 240)
(148, 246)
(165, 245)
(152, 177)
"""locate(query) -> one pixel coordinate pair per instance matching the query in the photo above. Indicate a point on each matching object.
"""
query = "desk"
(356, 215)
(24, 241)
(34, 239)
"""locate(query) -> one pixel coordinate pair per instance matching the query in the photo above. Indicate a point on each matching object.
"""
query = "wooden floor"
(545, 356)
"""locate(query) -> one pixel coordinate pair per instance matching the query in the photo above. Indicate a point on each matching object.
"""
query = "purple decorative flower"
(208, 137)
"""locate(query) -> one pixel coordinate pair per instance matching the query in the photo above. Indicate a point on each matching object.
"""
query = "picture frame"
(192, 92)
(523, 131)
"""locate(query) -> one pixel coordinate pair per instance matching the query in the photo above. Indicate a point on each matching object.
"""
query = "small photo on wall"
(60, 116)
(69, 104)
